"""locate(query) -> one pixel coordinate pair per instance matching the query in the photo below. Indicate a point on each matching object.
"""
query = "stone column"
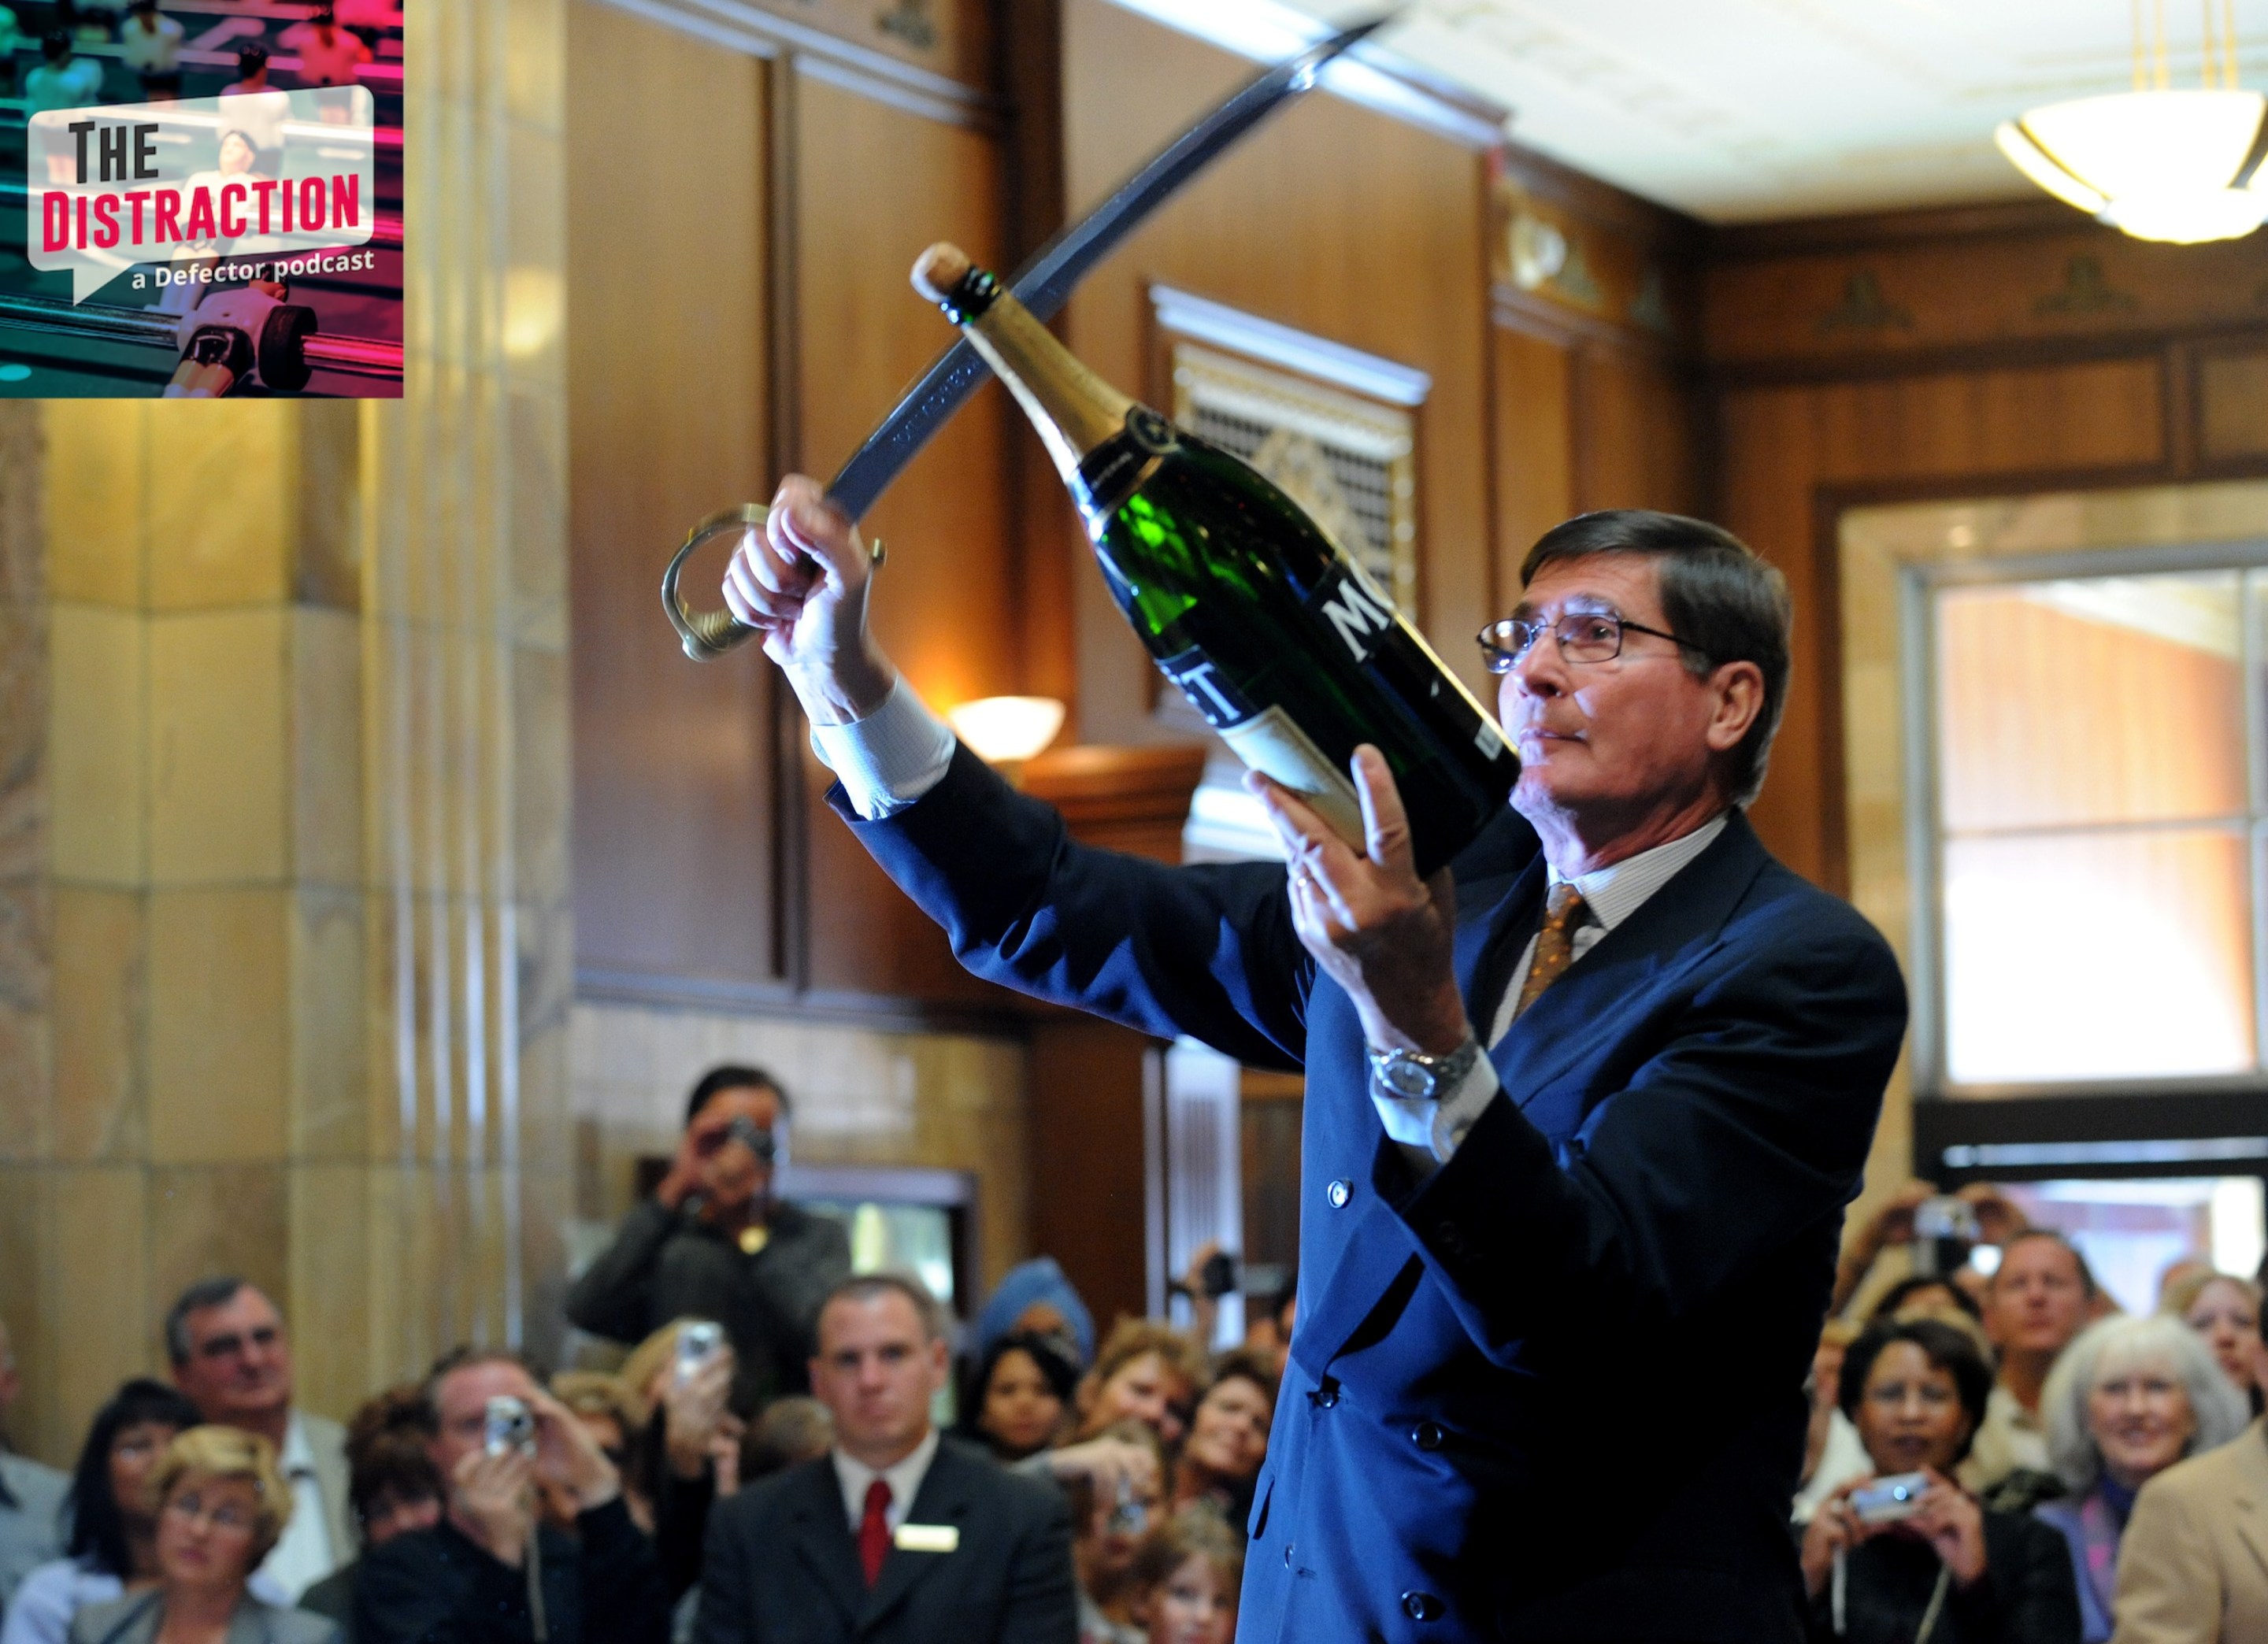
(285, 953)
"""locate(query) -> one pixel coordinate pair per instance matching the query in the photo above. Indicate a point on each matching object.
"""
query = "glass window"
(2098, 827)
(2132, 1231)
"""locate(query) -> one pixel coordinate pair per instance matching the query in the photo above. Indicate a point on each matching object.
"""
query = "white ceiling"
(1737, 110)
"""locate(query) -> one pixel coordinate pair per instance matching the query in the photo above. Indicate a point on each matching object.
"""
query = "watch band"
(1411, 1075)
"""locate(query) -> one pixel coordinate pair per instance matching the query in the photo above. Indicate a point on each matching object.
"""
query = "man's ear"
(1738, 688)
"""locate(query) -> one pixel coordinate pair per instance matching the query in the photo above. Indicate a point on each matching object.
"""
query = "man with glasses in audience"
(714, 1243)
(231, 1355)
(1582, 1114)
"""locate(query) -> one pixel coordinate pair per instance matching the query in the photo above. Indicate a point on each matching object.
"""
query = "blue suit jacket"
(1556, 1390)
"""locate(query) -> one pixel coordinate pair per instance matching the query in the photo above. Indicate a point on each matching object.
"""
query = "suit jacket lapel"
(946, 1497)
(1488, 947)
(821, 1537)
(1666, 929)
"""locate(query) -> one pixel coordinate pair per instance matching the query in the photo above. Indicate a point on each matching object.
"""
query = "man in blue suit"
(1583, 1111)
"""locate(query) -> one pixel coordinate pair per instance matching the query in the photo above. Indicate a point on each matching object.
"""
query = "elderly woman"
(2225, 1309)
(222, 1503)
(1936, 1565)
(2128, 1398)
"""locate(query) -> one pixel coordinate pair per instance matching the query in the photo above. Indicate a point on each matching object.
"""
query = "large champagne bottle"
(1282, 643)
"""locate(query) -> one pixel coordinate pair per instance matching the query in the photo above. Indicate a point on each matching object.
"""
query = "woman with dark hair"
(1228, 1439)
(113, 1524)
(392, 1488)
(1020, 1396)
(1918, 1559)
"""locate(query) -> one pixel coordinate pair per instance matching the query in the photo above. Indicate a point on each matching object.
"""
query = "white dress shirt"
(904, 1480)
(305, 1555)
(900, 752)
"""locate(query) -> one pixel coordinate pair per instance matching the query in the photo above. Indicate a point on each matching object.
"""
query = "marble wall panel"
(329, 1210)
(329, 1060)
(218, 721)
(100, 1320)
(221, 505)
(326, 724)
(206, 1219)
(97, 468)
(219, 1014)
(23, 549)
(101, 1001)
(327, 560)
(98, 725)
(23, 740)
(26, 1041)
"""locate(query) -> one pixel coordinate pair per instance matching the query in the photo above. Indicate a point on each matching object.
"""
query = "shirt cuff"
(890, 758)
(1428, 1132)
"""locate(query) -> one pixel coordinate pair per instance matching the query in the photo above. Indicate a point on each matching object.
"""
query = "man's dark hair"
(57, 46)
(218, 1291)
(251, 58)
(1719, 596)
(866, 1287)
(464, 1357)
(731, 1076)
(1895, 1297)
(98, 1527)
(1946, 1347)
(2078, 1259)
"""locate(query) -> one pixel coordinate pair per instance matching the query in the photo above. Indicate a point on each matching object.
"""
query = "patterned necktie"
(874, 1531)
(1555, 944)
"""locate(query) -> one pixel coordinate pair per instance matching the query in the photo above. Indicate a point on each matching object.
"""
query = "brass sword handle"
(708, 634)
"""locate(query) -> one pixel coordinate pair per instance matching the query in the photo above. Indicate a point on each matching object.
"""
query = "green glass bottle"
(1284, 645)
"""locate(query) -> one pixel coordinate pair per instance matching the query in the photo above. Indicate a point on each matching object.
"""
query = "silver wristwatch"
(1411, 1075)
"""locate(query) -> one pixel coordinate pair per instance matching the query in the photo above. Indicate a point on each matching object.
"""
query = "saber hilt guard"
(708, 634)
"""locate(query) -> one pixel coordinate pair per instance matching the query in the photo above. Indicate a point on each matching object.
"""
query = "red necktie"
(874, 1529)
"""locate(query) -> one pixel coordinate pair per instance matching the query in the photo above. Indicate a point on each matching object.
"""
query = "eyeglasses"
(1583, 636)
(223, 1516)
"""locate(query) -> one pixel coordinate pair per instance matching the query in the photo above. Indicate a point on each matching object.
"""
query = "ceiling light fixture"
(2155, 162)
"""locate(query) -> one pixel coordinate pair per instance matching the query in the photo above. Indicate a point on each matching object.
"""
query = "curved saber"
(1043, 285)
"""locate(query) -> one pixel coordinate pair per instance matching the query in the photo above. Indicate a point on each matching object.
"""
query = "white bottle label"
(1270, 742)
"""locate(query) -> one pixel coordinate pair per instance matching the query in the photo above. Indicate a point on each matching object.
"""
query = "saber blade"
(1043, 284)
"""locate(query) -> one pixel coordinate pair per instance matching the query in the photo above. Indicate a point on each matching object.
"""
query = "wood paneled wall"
(1984, 351)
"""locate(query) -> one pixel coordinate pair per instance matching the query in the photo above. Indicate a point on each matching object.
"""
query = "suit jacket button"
(1426, 1435)
(1338, 1192)
(1287, 1555)
(1446, 1235)
(1328, 1394)
(1421, 1606)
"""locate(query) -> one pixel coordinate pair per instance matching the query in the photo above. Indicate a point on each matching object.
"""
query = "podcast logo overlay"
(265, 186)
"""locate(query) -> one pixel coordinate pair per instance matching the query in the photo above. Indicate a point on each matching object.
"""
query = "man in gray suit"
(31, 1496)
(233, 1357)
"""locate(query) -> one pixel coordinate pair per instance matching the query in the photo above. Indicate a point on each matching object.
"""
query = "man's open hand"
(1378, 930)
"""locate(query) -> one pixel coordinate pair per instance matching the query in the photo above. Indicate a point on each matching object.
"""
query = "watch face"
(1410, 1079)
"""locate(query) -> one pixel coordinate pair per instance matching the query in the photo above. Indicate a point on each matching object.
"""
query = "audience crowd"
(1997, 1453)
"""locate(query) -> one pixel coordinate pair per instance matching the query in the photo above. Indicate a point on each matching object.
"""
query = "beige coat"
(2193, 1569)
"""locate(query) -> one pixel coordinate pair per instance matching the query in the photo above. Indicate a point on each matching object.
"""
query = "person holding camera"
(1903, 1555)
(714, 1243)
(488, 1573)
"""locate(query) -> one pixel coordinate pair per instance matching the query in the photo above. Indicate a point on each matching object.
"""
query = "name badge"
(929, 1538)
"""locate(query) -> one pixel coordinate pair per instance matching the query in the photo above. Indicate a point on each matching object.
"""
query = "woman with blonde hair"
(2225, 1309)
(2128, 1398)
(222, 1504)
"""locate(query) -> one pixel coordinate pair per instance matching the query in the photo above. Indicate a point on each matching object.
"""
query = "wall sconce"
(1006, 731)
